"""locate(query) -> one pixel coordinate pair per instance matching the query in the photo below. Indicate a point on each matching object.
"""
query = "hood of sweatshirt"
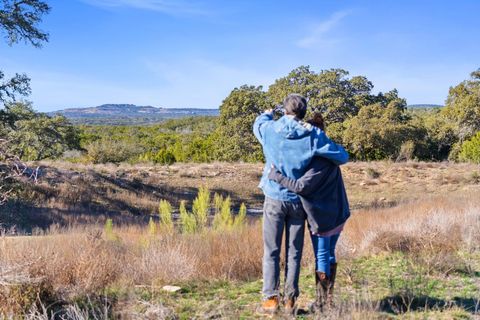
(291, 128)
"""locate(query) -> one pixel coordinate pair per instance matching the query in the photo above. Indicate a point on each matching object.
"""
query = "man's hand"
(268, 111)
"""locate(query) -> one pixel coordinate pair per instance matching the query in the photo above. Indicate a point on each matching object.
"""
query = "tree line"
(372, 126)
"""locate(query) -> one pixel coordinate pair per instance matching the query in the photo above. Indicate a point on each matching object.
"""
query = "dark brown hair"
(317, 121)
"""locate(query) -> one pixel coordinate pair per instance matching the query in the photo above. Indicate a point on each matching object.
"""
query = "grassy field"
(410, 250)
(75, 193)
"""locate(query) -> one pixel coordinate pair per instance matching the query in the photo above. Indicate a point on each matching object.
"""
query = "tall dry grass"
(65, 263)
(437, 223)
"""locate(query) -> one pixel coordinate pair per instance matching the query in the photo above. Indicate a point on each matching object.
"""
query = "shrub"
(241, 217)
(108, 229)
(152, 227)
(105, 151)
(162, 157)
(187, 220)
(372, 173)
(407, 150)
(217, 203)
(475, 177)
(224, 219)
(201, 207)
(470, 150)
(165, 212)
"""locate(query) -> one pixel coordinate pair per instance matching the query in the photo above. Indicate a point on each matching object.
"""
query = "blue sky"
(193, 53)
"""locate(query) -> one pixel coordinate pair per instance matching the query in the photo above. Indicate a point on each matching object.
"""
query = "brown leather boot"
(269, 306)
(322, 284)
(291, 306)
(333, 275)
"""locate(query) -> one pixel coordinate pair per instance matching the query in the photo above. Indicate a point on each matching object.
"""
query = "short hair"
(295, 104)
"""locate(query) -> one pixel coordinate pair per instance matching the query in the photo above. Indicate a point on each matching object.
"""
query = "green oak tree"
(463, 107)
(233, 138)
(328, 91)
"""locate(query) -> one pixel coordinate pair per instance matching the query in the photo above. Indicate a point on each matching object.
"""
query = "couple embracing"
(301, 181)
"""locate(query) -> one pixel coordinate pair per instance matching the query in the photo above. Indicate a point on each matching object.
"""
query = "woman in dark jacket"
(322, 192)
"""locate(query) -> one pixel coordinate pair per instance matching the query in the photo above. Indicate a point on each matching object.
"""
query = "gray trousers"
(279, 216)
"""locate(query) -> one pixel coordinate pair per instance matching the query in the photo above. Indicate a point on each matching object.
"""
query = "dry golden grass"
(66, 263)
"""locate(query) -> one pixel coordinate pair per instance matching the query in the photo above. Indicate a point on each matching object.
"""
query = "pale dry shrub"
(233, 255)
(73, 264)
(69, 312)
(165, 260)
(432, 232)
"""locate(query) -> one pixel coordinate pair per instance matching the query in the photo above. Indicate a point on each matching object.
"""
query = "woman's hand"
(274, 172)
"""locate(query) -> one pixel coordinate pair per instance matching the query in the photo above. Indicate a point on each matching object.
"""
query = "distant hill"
(424, 106)
(125, 114)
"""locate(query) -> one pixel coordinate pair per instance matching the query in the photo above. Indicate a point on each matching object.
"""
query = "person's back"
(322, 193)
(289, 144)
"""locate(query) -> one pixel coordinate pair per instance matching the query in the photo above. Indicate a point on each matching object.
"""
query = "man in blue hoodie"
(289, 144)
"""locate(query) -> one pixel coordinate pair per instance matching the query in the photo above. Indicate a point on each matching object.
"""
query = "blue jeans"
(324, 250)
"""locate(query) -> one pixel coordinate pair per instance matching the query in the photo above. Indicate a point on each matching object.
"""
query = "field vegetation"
(417, 259)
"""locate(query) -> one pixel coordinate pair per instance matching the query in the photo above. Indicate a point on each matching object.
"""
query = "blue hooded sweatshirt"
(290, 145)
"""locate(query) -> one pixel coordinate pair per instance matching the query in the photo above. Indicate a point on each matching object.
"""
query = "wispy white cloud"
(319, 32)
(170, 7)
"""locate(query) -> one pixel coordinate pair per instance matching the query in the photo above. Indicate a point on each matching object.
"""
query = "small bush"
(372, 173)
(201, 207)
(111, 151)
(241, 217)
(470, 150)
(165, 211)
(187, 220)
(475, 177)
(160, 157)
(217, 203)
(407, 150)
(108, 229)
(152, 227)
(223, 219)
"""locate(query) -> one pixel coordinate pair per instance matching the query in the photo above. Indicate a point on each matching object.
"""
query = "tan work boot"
(269, 306)
(291, 306)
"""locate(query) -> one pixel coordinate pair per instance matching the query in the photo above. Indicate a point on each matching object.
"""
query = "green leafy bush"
(470, 150)
(111, 151)
(241, 217)
(187, 220)
(223, 218)
(160, 157)
(165, 211)
(201, 207)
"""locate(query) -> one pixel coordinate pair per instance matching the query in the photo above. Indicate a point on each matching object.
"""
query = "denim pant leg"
(294, 237)
(274, 213)
(333, 244)
(321, 249)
